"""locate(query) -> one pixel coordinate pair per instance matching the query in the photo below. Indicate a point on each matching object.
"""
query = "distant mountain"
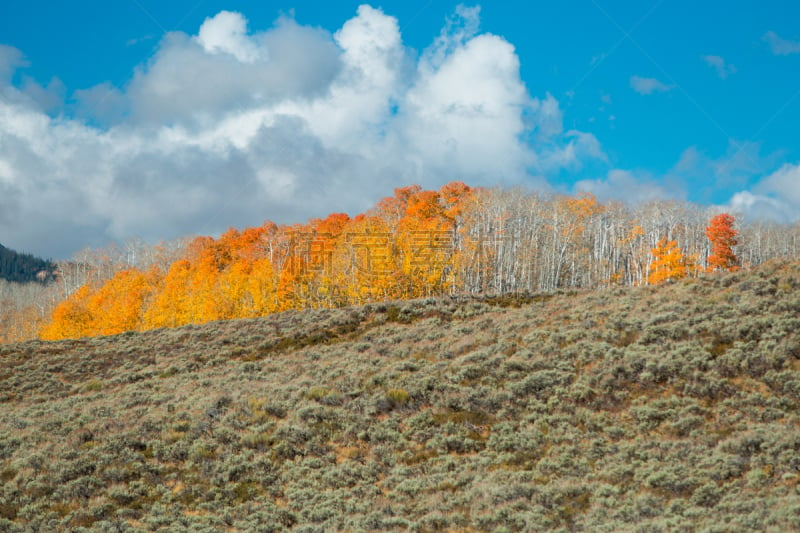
(24, 268)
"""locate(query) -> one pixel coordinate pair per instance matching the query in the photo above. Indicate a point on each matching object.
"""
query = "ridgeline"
(24, 268)
(641, 409)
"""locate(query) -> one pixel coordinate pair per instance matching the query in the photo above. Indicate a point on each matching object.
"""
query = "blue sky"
(158, 119)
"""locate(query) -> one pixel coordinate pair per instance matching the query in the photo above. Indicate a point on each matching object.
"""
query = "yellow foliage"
(669, 264)
(71, 318)
(404, 249)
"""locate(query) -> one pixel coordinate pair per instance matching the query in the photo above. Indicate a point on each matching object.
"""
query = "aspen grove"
(417, 243)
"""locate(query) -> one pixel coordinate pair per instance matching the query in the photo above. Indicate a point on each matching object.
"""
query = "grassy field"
(668, 408)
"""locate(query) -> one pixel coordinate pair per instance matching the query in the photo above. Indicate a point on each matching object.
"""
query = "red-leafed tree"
(722, 235)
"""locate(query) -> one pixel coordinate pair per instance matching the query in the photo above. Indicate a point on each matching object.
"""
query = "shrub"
(397, 397)
(325, 396)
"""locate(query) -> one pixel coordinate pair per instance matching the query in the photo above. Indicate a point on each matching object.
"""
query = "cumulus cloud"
(230, 127)
(774, 197)
(227, 32)
(760, 207)
(466, 109)
(785, 181)
(196, 81)
(48, 97)
(648, 85)
(29, 93)
(102, 104)
(722, 68)
(781, 47)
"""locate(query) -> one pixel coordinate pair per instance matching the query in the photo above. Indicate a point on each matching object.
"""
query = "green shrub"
(325, 396)
(93, 386)
(398, 397)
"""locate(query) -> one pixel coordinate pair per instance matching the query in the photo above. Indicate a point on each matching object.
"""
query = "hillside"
(23, 268)
(670, 408)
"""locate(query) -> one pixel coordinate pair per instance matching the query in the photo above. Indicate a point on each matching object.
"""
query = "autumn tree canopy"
(402, 249)
(416, 243)
(722, 236)
(669, 263)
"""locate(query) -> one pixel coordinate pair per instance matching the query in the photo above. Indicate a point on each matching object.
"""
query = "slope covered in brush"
(660, 409)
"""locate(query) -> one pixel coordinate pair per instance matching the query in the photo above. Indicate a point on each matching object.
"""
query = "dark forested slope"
(24, 268)
(671, 408)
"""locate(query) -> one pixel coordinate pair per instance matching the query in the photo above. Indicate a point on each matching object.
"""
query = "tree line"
(416, 243)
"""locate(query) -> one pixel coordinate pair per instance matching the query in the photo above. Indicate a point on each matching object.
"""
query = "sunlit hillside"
(663, 408)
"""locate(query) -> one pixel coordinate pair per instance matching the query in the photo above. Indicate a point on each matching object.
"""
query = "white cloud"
(104, 104)
(460, 28)
(648, 85)
(461, 114)
(580, 148)
(627, 186)
(760, 207)
(719, 64)
(227, 32)
(231, 127)
(774, 197)
(353, 114)
(784, 182)
(781, 47)
(189, 84)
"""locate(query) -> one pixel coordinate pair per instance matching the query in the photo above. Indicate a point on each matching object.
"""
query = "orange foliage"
(71, 319)
(115, 307)
(402, 248)
(669, 263)
(171, 307)
(118, 305)
(722, 236)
